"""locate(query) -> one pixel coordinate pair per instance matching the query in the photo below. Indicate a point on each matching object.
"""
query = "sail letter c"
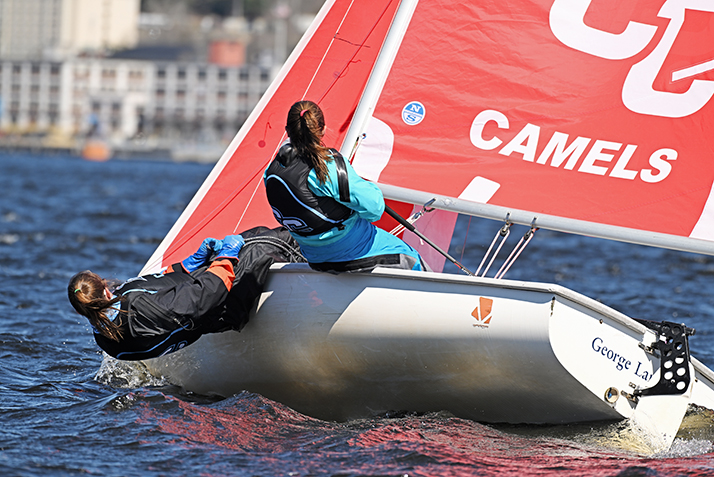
(568, 25)
(480, 122)
(637, 92)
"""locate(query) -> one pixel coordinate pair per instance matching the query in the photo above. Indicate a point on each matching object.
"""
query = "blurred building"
(55, 29)
(71, 69)
(121, 99)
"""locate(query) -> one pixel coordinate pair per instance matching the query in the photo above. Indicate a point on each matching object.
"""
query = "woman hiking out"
(213, 290)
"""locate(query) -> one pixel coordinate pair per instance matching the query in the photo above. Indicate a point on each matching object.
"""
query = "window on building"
(53, 113)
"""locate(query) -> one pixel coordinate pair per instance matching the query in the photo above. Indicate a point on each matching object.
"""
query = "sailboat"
(582, 116)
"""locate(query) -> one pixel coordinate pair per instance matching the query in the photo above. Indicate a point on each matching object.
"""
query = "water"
(63, 413)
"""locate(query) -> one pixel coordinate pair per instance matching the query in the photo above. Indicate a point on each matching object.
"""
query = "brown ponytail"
(305, 127)
(86, 294)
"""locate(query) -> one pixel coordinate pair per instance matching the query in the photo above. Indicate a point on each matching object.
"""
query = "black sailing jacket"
(166, 312)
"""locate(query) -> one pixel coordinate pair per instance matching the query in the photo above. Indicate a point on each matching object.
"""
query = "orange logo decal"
(482, 312)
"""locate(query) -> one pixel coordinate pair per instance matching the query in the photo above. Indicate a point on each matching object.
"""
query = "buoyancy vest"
(294, 205)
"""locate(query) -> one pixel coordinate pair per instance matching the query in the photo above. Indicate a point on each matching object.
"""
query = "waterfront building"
(56, 29)
(122, 99)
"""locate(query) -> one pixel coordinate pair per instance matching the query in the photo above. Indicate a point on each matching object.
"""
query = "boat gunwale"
(541, 287)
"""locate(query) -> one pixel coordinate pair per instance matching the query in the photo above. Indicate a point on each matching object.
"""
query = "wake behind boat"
(494, 111)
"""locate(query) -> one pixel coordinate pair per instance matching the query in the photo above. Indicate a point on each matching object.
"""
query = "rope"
(293, 253)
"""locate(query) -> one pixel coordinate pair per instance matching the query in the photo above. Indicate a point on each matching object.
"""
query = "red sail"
(330, 66)
(595, 110)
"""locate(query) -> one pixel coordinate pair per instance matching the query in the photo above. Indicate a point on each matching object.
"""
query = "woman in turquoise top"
(327, 207)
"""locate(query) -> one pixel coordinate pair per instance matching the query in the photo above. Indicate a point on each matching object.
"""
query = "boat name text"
(599, 160)
(621, 362)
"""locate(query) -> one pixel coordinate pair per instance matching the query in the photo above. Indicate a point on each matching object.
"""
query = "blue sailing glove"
(231, 246)
(208, 246)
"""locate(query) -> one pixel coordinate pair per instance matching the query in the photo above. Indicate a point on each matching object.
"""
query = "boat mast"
(376, 81)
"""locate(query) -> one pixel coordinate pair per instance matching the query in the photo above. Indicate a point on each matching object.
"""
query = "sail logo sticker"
(482, 312)
(413, 113)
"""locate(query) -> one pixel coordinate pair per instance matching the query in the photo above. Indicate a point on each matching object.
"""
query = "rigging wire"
(504, 232)
(425, 209)
(466, 236)
(516, 252)
(360, 45)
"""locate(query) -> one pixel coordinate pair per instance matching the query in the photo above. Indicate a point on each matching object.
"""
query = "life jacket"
(294, 205)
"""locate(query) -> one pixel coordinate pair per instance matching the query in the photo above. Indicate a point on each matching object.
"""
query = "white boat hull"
(347, 346)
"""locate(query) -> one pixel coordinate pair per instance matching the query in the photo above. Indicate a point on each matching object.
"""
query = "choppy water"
(63, 413)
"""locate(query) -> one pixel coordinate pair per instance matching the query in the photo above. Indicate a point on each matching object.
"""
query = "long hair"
(86, 294)
(305, 127)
